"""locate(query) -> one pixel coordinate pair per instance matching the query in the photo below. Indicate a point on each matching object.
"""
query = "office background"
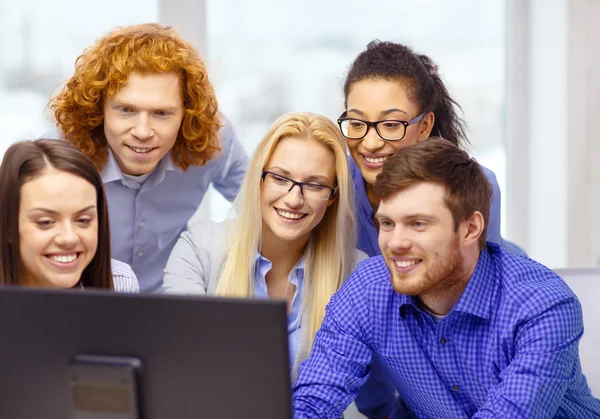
(526, 73)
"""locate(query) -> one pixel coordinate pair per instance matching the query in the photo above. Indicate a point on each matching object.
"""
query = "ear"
(472, 228)
(333, 199)
(425, 126)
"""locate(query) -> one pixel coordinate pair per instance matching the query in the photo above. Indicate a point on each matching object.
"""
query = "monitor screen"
(141, 356)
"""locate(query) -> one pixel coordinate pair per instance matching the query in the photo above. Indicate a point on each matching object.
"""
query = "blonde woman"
(295, 235)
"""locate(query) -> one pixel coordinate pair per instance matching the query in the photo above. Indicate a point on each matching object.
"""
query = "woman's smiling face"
(376, 100)
(290, 216)
(58, 228)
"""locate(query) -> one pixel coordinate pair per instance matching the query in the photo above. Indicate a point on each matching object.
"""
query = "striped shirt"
(508, 348)
(124, 278)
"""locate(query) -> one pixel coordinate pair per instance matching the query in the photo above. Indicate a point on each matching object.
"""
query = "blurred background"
(521, 70)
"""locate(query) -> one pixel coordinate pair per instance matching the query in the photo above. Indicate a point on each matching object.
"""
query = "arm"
(545, 361)
(134, 284)
(186, 272)
(376, 398)
(235, 165)
(339, 362)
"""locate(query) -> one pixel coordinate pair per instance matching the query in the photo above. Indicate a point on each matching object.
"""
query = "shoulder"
(226, 132)
(528, 285)
(491, 176)
(124, 278)
(208, 236)
(230, 149)
(358, 257)
(370, 280)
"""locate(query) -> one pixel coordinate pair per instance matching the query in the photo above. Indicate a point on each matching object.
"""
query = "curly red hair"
(103, 68)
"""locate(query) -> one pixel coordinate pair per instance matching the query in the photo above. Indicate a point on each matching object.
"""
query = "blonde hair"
(329, 254)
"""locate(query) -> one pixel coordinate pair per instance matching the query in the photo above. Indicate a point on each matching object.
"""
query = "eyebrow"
(56, 212)
(125, 104)
(308, 179)
(382, 113)
(407, 218)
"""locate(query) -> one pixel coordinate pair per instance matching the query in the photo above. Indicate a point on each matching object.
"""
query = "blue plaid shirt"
(509, 347)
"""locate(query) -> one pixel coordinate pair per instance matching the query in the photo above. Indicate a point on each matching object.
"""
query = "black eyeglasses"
(387, 129)
(309, 190)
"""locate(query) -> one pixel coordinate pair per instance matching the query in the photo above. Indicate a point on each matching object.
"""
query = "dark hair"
(397, 62)
(25, 161)
(438, 160)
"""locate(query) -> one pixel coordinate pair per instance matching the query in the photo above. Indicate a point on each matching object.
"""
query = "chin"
(65, 283)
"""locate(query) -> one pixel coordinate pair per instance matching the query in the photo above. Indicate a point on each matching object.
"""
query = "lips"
(406, 265)
(374, 162)
(64, 260)
(290, 215)
(141, 150)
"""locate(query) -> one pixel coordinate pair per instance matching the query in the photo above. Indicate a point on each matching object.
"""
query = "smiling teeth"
(375, 160)
(405, 263)
(290, 215)
(64, 258)
(140, 150)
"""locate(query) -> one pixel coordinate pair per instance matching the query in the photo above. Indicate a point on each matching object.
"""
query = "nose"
(66, 238)
(372, 141)
(294, 198)
(142, 128)
(399, 241)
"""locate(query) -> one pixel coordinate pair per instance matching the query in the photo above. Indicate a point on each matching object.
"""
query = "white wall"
(553, 175)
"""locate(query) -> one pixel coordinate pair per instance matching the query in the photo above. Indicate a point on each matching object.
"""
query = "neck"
(282, 254)
(443, 298)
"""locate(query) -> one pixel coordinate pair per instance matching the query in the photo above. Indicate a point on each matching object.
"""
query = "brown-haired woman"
(54, 228)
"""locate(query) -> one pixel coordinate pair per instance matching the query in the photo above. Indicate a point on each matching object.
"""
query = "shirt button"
(141, 224)
(455, 388)
(443, 341)
(140, 254)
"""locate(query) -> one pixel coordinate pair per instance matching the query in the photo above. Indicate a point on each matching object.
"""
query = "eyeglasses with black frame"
(387, 129)
(309, 190)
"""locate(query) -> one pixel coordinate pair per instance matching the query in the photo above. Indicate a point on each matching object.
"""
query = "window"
(39, 42)
(285, 57)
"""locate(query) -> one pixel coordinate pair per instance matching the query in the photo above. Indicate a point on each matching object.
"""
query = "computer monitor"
(173, 356)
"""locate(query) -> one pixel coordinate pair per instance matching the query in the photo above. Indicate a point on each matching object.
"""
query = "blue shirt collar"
(264, 265)
(477, 296)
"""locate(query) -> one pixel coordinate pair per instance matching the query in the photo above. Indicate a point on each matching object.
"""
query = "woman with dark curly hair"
(141, 106)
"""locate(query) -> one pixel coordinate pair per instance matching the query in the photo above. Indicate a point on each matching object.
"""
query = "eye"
(391, 125)
(386, 225)
(84, 221)
(356, 124)
(162, 113)
(279, 179)
(44, 223)
(125, 109)
(314, 186)
(419, 225)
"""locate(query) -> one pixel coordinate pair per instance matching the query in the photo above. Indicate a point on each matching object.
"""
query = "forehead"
(55, 189)
(303, 157)
(421, 198)
(377, 94)
(151, 87)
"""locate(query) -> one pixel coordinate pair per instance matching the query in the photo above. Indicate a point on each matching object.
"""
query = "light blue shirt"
(296, 277)
(146, 218)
